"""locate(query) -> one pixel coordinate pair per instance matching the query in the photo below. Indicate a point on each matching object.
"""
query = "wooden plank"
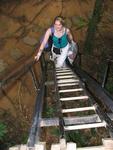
(49, 83)
(71, 90)
(85, 126)
(70, 120)
(67, 81)
(23, 147)
(55, 147)
(45, 122)
(64, 68)
(71, 146)
(62, 144)
(68, 84)
(78, 109)
(62, 71)
(65, 73)
(40, 146)
(81, 120)
(110, 115)
(108, 143)
(92, 148)
(14, 148)
(66, 77)
(74, 98)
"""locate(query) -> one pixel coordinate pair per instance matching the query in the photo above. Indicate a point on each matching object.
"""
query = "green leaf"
(3, 130)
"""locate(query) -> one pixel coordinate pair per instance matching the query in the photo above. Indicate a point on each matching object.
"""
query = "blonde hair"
(60, 19)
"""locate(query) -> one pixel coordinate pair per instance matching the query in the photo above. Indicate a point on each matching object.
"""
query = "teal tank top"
(60, 42)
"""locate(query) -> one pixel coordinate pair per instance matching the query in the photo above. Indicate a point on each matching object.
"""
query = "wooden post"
(40, 146)
(108, 143)
(14, 148)
(23, 147)
(55, 147)
(62, 144)
(71, 146)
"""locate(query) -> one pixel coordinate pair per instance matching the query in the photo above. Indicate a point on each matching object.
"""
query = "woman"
(60, 38)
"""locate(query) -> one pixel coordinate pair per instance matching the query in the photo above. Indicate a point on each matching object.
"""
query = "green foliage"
(76, 137)
(55, 131)
(93, 132)
(109, 85)
(49, 111)
(3, 131)
(81, 22)
(24, 138)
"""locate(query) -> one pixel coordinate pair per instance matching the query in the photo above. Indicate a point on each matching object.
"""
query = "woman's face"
(58, 26)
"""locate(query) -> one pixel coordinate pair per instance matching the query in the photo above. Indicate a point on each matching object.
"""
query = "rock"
(68, 23)
(30, 41)
(75, 20)
(37, 29)
(16, 54)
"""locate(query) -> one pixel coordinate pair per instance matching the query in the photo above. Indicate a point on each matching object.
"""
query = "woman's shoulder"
(50, 30)
(67, 30)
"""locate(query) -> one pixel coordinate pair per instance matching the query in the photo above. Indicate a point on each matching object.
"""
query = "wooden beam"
(74, 98)
(45, 122)
(85, 126)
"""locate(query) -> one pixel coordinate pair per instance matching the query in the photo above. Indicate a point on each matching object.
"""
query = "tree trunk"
(96, 17)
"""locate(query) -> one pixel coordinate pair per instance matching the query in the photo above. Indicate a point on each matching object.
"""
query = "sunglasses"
(59, 41)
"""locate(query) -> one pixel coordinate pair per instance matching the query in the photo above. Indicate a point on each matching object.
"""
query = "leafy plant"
(55, 131)
(76, 137)
(81, 22)
(3, 131)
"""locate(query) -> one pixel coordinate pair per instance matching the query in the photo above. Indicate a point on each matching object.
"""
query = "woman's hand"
(38, 56)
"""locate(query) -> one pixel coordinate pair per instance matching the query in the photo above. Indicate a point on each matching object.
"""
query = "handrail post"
(42, 62)
(106, 73)
(79, 59)
(35, 80)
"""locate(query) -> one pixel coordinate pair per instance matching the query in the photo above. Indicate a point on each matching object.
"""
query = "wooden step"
(108, 143)
(62, 71)
(65, 73)
(68, 81)
(68, 84)
(92, 148)
(66, 77)
(78, 109)
(23, 147)
(71, 146)
(40, 146)
(82, 120)
(47, 122)
(63, 68)
(14, 148)
(62, 144)
(74, 98)
(85, 126)
(55, 147)
(71, 90)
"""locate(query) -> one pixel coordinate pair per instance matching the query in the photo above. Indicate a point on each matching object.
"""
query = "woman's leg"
(61, 58)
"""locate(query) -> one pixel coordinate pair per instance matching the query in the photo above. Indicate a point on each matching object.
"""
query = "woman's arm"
(46, 37)
(69, 35)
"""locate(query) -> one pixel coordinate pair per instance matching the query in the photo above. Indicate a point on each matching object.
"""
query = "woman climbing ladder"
(60, 39)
